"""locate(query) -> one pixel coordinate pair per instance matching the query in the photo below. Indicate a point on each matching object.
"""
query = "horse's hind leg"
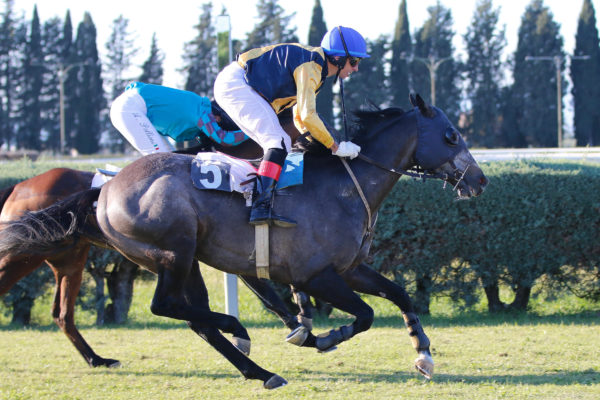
(328, 286)
(365, 280)
(197, 295)
(68, 270)
(270, 300)
(300, 332)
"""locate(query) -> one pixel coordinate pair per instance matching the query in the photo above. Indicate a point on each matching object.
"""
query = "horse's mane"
(366, 121)
(361, 128)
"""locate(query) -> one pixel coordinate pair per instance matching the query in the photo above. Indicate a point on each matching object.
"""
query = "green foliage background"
(536, 223)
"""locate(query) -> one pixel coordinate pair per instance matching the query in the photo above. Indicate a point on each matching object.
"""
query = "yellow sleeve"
(308, 78)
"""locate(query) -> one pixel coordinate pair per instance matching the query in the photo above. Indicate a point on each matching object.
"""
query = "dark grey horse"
(151, 214)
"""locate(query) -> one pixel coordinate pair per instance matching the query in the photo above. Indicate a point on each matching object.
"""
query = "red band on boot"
(269, 169)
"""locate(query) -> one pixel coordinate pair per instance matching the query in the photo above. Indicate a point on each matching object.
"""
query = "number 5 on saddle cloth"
(218, 171)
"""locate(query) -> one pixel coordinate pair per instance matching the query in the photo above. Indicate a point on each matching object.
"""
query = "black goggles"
(354, 60)
(351, 59)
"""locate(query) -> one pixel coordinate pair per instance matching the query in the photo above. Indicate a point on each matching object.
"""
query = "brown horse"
(37, 193)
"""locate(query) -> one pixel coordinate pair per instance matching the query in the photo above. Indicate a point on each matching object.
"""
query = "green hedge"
(537, 222)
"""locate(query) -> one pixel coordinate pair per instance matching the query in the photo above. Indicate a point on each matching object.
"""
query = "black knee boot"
(262, 208)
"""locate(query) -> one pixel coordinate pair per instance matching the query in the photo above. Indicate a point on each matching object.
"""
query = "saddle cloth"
(218, 171)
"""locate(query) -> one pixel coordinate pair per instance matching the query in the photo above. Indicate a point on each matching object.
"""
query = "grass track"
(551, 353)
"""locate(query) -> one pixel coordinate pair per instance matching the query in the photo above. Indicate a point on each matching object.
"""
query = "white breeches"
(128, 115)
(248, 109)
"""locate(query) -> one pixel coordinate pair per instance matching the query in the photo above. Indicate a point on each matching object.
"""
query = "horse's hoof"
(105, 362)
(332, 348)
(424, 364)
(242, 345)
(298, 336)
(326, 342)
(275, 382)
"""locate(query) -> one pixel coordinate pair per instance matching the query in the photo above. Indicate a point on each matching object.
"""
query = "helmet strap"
(341, 63)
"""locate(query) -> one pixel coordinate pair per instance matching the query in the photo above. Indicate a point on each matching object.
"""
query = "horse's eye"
(451, 136)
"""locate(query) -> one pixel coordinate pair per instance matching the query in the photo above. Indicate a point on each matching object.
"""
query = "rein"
(418, 173)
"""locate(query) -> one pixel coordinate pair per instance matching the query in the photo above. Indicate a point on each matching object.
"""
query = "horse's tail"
(4, 193)
(49, 230)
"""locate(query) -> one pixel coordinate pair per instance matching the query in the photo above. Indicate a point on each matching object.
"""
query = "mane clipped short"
(365, 120)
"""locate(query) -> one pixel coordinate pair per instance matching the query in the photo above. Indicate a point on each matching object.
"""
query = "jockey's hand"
(347, 149)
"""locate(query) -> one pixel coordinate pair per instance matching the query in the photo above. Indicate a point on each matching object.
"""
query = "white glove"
(347, 149)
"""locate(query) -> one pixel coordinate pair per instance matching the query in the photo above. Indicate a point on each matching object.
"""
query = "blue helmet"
(334, 40)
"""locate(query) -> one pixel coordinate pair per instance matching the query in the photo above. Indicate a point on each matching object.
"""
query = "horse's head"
(441, 151)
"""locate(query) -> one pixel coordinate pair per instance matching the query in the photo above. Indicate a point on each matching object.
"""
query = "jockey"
(263, 82)
(145, 114)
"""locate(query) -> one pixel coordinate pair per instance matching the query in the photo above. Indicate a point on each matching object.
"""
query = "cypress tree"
(68, 60)
(369, 85)
(273, 26)
(152, 69)
(29, 135)
(433, 51)
(317, 30)
(50, 97)
(90, 92)
(401, 53)
(585, 74)
(10, 57)
(200, 56)
(534, 92)
(485, 44)
(120, 50)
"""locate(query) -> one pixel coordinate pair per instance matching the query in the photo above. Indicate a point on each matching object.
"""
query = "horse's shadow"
(562, 377)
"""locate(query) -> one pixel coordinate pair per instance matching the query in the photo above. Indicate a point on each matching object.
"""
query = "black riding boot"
(262, 208)
(266, 180)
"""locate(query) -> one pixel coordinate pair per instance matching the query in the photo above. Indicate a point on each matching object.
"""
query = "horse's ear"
(423, 107)
(412, 100)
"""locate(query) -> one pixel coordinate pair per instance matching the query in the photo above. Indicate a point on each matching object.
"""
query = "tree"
(68, 61)
(433, 49)
(401, 53)
(152, 69)
(120, 51)
(584, 74)
(88, 112)
(273, 26)
(12, 33)
(317, 30)
(31, 124)
(534, 88)
(200, 56)
(52, 41)
(369, 85)
(485, 44)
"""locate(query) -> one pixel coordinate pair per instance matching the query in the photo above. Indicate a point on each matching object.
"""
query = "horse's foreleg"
(68, 275)
(328, 286)
(363, 279)
(197, 295)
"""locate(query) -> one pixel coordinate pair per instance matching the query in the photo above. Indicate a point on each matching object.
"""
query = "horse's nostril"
(483, 181)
